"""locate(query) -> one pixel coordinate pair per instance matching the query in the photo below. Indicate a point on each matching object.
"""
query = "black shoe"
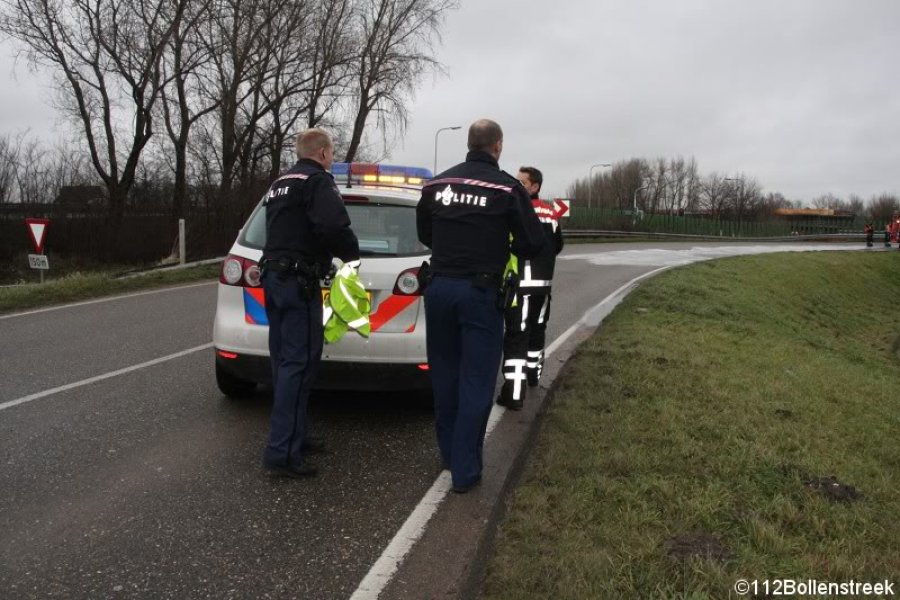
(510, 403)
(462, 489)
(301, 471)
(313, 445)
(506, 398)
(532, 377)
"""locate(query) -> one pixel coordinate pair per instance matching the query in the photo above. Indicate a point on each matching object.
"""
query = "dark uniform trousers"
(523, 343)
(465, 333)
(296, 337)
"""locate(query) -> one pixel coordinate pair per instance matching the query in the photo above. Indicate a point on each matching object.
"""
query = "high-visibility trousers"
(524, 338)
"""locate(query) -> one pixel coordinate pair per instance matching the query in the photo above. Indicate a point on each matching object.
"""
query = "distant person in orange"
(895, 231)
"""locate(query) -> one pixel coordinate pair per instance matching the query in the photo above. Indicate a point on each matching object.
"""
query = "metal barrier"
(603, 233)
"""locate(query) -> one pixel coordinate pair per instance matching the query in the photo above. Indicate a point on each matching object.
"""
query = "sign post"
(37, 229)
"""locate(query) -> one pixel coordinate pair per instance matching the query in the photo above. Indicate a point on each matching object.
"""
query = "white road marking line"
(83, 382)
(106, 299)
(381, 573)
(387, 564)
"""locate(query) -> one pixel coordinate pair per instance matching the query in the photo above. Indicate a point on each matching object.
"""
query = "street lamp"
(591, 179)
(738, 201)
(634, 204)
(739, 188)
(436, 141)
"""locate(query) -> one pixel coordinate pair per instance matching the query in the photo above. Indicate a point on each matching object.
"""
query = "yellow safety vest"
(347, 306)
(512, 266)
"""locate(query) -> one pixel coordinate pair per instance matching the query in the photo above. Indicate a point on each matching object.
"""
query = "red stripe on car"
(389, 309)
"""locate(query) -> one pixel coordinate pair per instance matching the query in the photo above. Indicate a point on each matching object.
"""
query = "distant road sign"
(561, 207)
(37, 229)
(38, 261)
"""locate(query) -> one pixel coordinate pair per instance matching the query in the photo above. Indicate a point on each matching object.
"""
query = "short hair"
(534, 175)
(311, 141)
(483, 134)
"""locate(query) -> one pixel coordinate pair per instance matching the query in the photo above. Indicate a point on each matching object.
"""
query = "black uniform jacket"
(306, 218)
(467, 213)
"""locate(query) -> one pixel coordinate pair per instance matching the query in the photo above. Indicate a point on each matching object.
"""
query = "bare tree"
(332, 57)
(106, 54)
(715, 195)
(856, 205)
(772, 201)
(614, 188)
(883, 207)
(183, 68)
(746, 198)
(398, 38)
(313, 79)
(65, 166)
(9, 162)
(30, 173)
(253, 44)
(237, 50)
(829, 201)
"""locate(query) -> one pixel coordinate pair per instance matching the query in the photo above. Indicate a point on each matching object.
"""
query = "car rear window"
(382, 229)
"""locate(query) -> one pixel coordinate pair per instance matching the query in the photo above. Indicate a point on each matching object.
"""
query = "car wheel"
(232, 386)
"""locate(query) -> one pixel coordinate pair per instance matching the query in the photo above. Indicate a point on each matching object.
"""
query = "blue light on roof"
(342, 169)
(405, 171)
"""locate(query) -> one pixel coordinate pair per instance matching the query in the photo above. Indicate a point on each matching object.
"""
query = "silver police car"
(381, 201)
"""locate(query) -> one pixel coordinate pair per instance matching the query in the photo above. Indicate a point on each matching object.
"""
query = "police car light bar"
(377, 174)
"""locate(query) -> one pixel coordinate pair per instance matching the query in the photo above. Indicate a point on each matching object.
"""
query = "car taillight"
(408, 283)
(252, 274)
(240, 271)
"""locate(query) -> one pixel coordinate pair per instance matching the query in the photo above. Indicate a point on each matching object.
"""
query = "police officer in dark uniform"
(526, 320)
(306, 226)
(466, 215)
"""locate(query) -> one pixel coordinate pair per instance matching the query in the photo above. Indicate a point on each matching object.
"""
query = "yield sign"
(560, 208)
(37, 228)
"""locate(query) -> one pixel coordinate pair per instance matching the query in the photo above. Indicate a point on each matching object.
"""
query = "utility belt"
(307, 274)
(505, 287)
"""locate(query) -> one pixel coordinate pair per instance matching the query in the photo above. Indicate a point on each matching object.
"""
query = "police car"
(381, 201)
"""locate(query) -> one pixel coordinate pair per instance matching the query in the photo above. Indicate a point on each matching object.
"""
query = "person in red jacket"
(526, 321)
(870, 234)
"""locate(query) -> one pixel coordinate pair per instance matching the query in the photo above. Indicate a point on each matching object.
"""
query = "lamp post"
(591, 179)
(738, 199)
(634, 204)
(436, 143)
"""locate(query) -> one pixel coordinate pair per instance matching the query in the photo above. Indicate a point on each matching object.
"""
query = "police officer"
(306, 226)
(526, 319)
(466, 216)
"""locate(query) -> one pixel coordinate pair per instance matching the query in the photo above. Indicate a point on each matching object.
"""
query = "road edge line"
(111, 374)
(105, 299)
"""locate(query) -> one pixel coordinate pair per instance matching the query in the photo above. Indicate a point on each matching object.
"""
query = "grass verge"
(83, 286)
(731, 420)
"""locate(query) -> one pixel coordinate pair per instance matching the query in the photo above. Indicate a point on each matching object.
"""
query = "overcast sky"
(803, 95)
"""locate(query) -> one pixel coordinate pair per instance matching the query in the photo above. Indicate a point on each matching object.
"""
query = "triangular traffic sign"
(37, 228)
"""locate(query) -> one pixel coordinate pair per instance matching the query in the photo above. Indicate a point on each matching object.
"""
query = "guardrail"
(603, 233)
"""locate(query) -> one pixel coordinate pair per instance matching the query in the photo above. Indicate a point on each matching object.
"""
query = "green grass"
(77, 286)
(703, 407)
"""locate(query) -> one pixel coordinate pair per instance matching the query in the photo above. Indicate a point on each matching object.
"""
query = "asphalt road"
(148, 483)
